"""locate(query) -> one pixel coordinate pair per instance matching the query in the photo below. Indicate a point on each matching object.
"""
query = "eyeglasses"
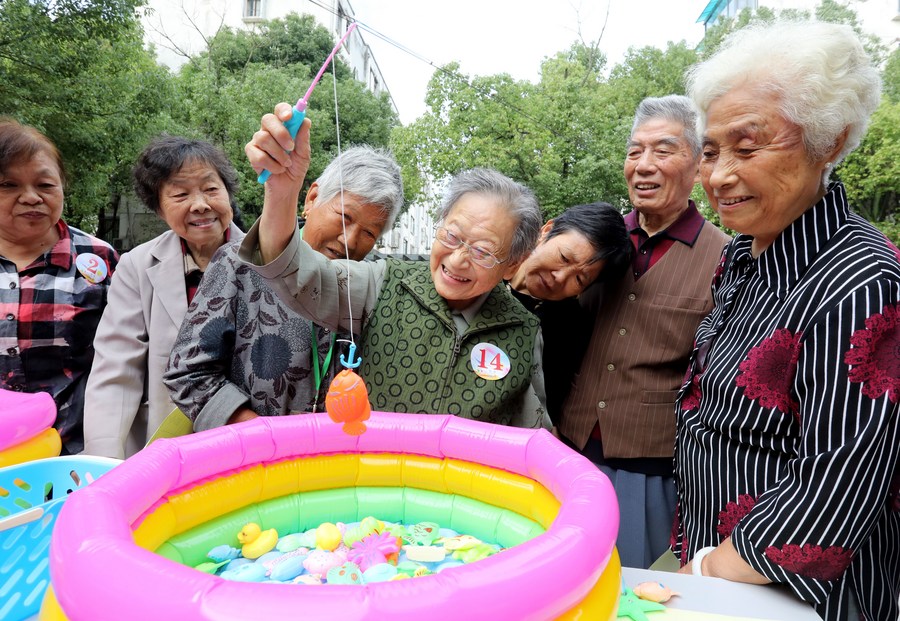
(479, 256)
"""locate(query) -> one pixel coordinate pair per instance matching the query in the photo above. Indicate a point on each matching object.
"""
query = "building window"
(736, 6)
(253, 8)
(343, 20)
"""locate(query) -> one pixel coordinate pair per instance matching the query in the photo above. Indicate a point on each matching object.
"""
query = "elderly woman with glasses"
(443, 337)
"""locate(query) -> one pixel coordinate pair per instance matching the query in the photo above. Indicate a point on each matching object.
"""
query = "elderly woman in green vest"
(438, 337)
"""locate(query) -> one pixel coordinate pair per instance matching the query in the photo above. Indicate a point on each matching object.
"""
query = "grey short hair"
(676, 108)
(515, 197)
(825, 80)
(368, 172)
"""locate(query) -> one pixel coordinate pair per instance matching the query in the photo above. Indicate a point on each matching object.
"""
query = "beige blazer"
(125, 399)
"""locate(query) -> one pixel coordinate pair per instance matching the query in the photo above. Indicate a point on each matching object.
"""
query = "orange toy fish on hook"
(347, 400)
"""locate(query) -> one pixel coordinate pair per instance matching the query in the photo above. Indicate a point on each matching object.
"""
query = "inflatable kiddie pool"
(27, 431)
(116, 543)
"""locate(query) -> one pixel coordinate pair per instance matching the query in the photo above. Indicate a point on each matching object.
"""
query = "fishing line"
(487, 93)
(337, 127)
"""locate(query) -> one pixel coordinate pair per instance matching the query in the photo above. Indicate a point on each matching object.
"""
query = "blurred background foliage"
(78, 70)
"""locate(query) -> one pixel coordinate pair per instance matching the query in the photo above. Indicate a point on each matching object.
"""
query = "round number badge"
(92, 267)
(489, 361)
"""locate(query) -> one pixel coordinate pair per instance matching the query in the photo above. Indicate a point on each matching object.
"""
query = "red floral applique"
(673, 538)
(733, 513)
(892, 247)
(874, 355)
(769, 370)
(691, 398)
(720, 268)
(811, 560)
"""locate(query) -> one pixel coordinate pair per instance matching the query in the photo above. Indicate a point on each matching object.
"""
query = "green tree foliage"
(826, 11)
(724, 26)
(276, 43)
(223, 92)
(78, 72)
(891, 77)
(564, 137)
(872, 172)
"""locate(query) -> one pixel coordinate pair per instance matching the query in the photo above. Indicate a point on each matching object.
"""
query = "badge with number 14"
(489, 361)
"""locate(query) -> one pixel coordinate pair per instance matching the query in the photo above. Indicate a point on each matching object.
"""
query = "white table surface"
(715, 595)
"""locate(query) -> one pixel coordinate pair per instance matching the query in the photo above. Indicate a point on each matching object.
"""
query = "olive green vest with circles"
(414, 360)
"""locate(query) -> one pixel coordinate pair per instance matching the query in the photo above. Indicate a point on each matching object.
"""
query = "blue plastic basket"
(31, 495)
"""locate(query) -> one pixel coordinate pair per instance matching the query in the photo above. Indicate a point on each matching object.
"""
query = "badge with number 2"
(489, 361)
(92, 267)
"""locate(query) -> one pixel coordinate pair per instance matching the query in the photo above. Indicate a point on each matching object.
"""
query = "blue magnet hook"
(351, 364)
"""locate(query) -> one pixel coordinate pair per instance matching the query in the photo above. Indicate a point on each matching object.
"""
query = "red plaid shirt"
(48, 315)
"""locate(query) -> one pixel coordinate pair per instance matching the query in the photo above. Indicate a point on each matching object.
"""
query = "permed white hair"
(823, 77)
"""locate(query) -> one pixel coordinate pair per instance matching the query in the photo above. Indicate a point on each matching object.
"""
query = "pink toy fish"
(654, 592)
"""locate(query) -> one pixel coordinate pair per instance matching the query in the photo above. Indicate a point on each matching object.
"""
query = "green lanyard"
(319, 373)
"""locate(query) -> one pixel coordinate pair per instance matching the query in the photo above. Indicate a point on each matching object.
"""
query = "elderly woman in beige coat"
(190, 185)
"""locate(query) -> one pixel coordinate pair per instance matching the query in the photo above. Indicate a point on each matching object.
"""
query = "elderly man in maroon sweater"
(620, 412)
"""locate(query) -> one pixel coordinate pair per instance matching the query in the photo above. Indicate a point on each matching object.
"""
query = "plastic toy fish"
(366, 527)
(347, 402)
(654, 592)
(320, 562)
(423, 533)
(474, 553)
(288, 569)
(223, 552)
(289, 543)
(246, 573)
(210, 568)
(348, 573)
(299, 112)
(459, 542)
(381, 573)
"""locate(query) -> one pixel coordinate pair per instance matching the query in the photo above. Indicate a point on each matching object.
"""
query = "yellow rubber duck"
(256, 541)
(328, 537)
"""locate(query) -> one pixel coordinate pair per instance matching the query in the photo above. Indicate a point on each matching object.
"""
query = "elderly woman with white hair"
(788, 431)
(440, 337)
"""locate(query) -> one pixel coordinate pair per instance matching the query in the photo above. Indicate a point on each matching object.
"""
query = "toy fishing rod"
(299, 112)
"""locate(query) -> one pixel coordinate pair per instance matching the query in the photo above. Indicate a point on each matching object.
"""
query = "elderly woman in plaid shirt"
(53, 280)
